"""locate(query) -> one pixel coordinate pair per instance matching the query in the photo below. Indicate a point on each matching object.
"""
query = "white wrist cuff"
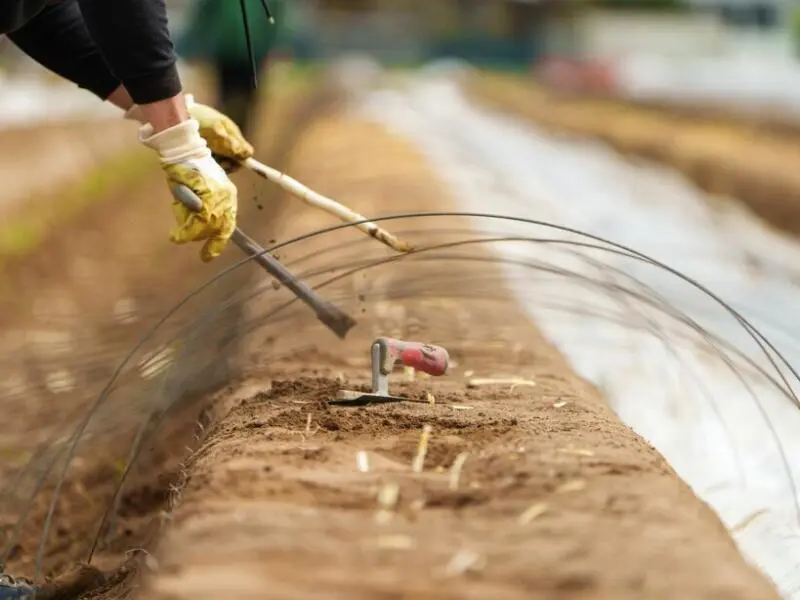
(177, 144)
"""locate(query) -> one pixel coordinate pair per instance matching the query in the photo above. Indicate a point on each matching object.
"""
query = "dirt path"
(71, 310)
(36, 160)
(555, 496)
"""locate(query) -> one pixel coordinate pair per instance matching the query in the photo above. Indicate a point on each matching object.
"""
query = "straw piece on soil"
(362, 462)
(422, 449)
(308, 425)
(576, 485)
(464, 561)
(534, 511)
(744, 523)
(456, 469)
(388, 496)
(576, 451)
(511, 381)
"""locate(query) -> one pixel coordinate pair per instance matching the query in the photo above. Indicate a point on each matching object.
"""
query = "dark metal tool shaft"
(334, 318)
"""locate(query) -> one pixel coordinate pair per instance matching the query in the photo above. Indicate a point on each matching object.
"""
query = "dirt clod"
(73, 584)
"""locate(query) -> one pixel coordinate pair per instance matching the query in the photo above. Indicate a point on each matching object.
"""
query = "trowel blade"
(353, 398)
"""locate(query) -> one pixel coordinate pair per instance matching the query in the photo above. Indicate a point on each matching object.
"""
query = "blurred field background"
(736, 57)
(708, 88)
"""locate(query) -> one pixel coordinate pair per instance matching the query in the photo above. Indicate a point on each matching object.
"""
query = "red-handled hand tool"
(386, 354)
(427, 358)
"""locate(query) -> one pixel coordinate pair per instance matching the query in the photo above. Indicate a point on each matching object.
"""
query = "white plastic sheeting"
(663, 380)
(32, 99)
(746, 81)
(29, 100)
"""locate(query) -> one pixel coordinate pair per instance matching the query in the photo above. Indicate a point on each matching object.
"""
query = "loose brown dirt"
(78, 304)
(71, 309)
(35, 160)
(556, 498)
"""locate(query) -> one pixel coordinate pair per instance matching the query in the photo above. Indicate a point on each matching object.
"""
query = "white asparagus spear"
(329, 205)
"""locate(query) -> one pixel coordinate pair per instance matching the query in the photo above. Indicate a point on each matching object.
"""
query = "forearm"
(135, 41)
(58, 40)
(121, 98)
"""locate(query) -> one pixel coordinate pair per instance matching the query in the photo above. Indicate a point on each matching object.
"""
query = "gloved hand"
(186, 160)
(224, 138)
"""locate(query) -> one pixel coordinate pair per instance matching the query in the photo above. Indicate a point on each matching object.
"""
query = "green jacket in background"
(216, 30)
(795, 24)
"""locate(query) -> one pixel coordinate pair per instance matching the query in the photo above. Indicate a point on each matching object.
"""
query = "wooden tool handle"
(317, 200)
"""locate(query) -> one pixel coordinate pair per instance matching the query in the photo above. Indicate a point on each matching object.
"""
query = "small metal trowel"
(385, 354)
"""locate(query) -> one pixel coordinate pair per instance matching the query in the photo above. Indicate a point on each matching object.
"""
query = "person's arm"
(126, 66)
(134, 39)
(58, 40)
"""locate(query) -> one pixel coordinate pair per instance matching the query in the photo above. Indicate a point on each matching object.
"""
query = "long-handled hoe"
(334, 318)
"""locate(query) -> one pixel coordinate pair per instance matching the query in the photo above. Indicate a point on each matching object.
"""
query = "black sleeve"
(57, 39)
(135, 41)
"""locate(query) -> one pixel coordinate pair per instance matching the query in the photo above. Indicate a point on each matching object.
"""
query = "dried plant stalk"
(362, 461)
(422, 449)
(456, 469)
(534, 511)
(512, 381)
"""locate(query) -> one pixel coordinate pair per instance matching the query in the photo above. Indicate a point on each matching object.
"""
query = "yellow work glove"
(186, 160)
(224, 138)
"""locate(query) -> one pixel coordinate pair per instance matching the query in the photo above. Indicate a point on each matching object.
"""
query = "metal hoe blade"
(334, 318)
